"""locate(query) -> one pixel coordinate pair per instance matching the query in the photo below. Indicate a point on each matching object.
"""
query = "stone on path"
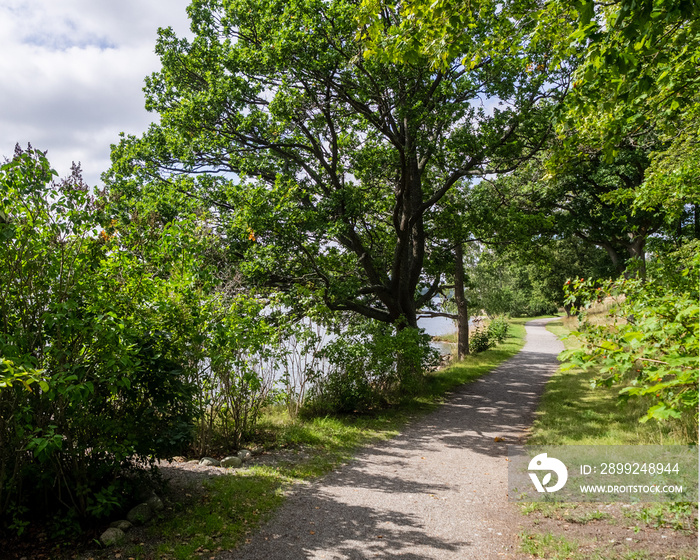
(155, 503)
(121, 524)
(244, 455)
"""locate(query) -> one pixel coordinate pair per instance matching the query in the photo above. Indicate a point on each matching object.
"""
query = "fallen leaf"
(312, 532)
(498, 439)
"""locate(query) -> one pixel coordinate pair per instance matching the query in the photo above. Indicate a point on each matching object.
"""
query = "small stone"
(112, 536)
(209, 462)
(193, 460)
(155, 503)
(122, 524)
(244, 455)
(140, 514)
(231, 462)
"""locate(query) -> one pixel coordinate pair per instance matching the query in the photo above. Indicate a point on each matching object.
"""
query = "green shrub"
(479, 341)
(497, 330)
(91, 380)
(649, 345)
(368, 366)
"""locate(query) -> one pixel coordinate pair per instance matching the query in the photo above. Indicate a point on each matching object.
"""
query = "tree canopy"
(325, 166)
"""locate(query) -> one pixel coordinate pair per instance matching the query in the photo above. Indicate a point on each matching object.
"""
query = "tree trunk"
(636, 251)
(462, 309)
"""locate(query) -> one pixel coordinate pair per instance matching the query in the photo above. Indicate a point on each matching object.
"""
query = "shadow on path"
(438, 490)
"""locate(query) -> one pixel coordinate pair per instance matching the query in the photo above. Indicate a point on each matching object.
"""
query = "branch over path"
(436, 491)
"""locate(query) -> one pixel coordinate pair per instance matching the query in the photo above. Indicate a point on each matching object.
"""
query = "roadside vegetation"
(575, 410)
(219, 512)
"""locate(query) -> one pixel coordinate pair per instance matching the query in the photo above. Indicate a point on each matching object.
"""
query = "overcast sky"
(72, 71)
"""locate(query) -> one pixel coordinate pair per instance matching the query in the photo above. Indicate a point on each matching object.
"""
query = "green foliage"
(242, 347)
(651, 345)
(91, 381)
(514, 282)
(479, 341)
(326, 167)
(636, 73)
(639, 62)
(368, 366)
(564, 219)
(498, 329)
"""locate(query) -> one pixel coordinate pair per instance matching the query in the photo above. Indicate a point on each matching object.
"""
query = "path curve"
(438, 490)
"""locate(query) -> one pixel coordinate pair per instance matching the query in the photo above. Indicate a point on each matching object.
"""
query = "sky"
(72, 73)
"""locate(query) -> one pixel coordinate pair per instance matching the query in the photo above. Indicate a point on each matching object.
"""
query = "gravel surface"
(436, 491)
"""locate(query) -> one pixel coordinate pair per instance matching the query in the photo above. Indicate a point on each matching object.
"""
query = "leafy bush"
(302, 346)
(244, 350)
(369, 365)
(497, 330)
(91, 383)
(479, 341)
(651, 342)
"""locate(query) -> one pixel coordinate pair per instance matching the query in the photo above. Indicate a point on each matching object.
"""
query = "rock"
(140, 514)
(155, 503)
(193, 460)
(122, 524)
(244, 455)
(232, 462)
(144, 494)
(209, 462)
(112, 536)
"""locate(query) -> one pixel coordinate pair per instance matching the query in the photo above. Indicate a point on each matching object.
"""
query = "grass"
(554, 547)
(676, 516)
(548, 546)
(235, 504)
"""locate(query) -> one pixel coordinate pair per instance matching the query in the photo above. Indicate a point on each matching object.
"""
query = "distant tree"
(526, 279)
(586, 197)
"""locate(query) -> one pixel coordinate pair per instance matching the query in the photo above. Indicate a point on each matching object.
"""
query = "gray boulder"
(244, 455)
(122, 524)
(209, 462)
(155, 503)
(231, 462)
(112, 536)
(140, 514)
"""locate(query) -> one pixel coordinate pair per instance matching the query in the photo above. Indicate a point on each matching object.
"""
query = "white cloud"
(73, 74)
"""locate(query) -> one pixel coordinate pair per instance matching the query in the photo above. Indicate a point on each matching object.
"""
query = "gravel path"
(436, 491)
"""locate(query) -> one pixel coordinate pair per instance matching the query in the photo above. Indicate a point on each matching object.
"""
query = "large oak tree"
(326, 166)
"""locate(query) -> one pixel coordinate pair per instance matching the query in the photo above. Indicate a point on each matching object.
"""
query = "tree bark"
(462, 308)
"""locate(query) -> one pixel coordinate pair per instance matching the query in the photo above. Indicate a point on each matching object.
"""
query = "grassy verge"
(233, 505)
(572, 412)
